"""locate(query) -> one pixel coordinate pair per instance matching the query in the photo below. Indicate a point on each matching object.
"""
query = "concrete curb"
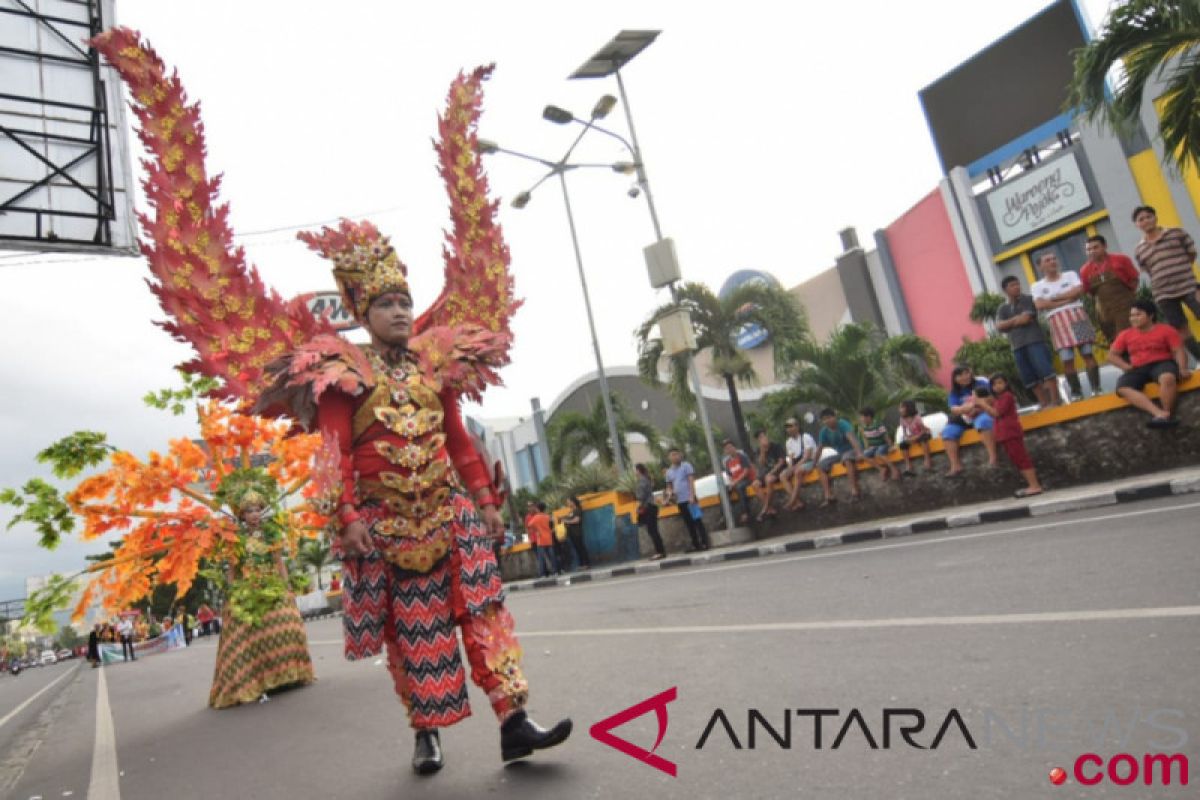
(1079, 502)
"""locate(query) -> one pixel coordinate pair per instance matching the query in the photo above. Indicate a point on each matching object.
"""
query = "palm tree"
(573, 435)
(717, 322)
(1151, 38)
(314, 553)
(859, 366)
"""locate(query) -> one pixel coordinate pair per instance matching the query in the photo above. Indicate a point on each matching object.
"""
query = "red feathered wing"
(215, 302)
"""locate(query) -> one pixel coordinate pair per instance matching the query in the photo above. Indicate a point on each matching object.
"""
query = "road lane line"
(1107, 615)
(1033, 618)
(104, 784)
(36, 695)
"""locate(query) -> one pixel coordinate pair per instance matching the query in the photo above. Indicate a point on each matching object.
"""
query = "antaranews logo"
(602, 731)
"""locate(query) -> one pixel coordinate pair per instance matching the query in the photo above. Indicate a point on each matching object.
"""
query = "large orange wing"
(214, 300)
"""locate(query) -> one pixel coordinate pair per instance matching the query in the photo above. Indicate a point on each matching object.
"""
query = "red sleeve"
(462, 452)
(1125, 270)
(335, 415)
(1085, 276)
(1119, 344)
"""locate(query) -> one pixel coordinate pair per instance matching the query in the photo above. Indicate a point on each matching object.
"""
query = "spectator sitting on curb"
(1150, 351)
(877, 442)
(770, 464)
(964, 414)
(1018, 320)
(741, 475)
(838, 434)
(916, 432)
(801, 450)
(1002, 405)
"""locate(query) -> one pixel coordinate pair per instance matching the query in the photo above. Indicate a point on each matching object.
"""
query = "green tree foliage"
(1150, 38)
(176, 401)
(314, 554)
(717, 322)
(688, 435)
(40, 504)
(574, 435)
(860, 366)
(68, 638)
(990, 355)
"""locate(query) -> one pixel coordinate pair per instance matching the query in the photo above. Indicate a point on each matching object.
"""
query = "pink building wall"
(933, 278)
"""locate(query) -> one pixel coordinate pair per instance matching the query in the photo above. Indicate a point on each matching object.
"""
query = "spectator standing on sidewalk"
(741, 474)
(1017, 319)
(681, 487)
(1166, 254)
(916, 433)
(537, 523)
(1149, 351)
(1002, 405)
(877, 443)
(802, 452)
(647, 513)
(838, 434)
(574, 522)
(125, 629)
(769, 463)
(1057, 295)
(205, 615)
(1112, 280)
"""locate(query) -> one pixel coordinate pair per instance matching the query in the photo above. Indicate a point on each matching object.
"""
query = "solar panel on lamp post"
(618, 52)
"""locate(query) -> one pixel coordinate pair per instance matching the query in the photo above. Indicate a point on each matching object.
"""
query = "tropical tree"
(314, 553)
(860, 366)
(573, 435)
(717, 322)
(1151, 38)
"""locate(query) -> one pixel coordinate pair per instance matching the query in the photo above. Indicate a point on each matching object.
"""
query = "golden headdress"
(364, 263)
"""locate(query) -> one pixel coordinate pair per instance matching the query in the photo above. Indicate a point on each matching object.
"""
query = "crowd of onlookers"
(1148, 342)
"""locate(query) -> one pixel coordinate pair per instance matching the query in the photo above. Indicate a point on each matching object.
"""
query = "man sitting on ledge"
(1150, 352)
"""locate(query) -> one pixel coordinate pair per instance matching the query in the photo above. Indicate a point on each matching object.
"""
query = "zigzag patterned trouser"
(414, 617)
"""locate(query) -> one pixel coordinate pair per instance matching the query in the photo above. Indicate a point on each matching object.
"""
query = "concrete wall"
(932, 277)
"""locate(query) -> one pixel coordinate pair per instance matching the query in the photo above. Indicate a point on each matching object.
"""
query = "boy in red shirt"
(1150, 351)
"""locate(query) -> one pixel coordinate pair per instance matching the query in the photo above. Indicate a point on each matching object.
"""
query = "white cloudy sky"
(766, 128)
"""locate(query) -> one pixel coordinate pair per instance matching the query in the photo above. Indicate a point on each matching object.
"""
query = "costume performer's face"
(252, 516)
(390, 318)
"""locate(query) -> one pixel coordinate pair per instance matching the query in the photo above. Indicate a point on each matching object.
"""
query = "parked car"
(48, 657)
(64, 654)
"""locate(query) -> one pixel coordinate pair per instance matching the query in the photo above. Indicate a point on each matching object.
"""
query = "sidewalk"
(1060, 501)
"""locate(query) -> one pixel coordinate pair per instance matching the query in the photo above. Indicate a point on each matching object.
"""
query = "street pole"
(693, 371)
(618, 458)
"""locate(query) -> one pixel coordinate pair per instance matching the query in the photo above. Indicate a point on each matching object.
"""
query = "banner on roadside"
(112, 653)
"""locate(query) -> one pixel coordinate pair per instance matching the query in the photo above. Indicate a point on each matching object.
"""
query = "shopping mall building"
(1020, 176)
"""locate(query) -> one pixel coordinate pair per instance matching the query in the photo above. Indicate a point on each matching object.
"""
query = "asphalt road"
(1049, 638)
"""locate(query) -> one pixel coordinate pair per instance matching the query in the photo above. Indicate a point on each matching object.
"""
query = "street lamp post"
(560, 169)
(608, 61)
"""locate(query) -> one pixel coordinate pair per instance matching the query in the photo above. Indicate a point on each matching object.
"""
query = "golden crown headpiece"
(365, 265)
(251, 498)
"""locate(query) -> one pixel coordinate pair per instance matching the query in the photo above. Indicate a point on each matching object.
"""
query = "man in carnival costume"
(413, 504)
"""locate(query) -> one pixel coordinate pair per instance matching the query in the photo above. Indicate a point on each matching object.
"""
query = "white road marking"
(1108, 615)
(766, 561)
(36, 695)
(104, 784)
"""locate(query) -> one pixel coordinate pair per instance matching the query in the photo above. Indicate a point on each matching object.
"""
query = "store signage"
(1038, 198)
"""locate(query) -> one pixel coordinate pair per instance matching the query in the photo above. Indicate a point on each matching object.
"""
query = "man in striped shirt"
(1166, 254)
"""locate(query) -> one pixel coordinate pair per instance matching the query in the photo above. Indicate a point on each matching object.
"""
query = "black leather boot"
(427, 752)
(520, 736)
